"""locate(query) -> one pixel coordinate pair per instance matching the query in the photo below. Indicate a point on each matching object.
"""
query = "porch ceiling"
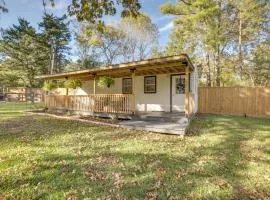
(164, 65)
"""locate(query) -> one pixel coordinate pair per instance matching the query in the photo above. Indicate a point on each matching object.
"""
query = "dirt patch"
(17, 125)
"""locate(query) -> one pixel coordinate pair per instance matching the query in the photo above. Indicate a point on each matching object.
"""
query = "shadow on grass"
(73, 159)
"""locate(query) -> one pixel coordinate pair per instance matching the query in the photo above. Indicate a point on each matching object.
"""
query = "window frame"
(144, 84)
(123, 80)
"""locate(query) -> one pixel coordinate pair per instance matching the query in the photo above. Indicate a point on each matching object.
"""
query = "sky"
(32, 10)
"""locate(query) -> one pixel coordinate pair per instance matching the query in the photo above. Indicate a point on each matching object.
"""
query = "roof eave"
(128, 65)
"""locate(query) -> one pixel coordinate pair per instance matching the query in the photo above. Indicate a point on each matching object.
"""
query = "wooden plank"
(252, 101)
(138, 64)
(133, 92)
(187, 109)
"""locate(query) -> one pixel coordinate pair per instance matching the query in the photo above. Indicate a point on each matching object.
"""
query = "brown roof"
(169, 64)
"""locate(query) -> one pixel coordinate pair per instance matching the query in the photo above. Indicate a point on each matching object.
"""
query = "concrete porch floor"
(160, 122)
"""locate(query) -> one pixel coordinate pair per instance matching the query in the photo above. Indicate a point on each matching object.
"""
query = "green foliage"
(105, 81)
(3, 7)
(106, 45)
(93, 10)
(55, 38)
(20, 45)
(259, 68)
(49, 86)
(27, 54)
(219, 36)
(141, 36)
(131, 39)
(10, 78)
(73, 83)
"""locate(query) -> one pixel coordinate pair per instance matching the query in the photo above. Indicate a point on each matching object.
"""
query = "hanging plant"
(73, 83)
(105, 82)
(49, 86)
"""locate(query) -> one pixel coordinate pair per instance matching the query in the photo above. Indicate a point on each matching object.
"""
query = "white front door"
(178, 93)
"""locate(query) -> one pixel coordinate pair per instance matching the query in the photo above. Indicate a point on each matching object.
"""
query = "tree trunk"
(52, 59)
(218, 68)
(240, 55)
(217, 60)
(53, 52)
(209, 70)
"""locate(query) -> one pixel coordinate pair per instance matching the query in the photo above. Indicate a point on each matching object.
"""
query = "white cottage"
(166, 84)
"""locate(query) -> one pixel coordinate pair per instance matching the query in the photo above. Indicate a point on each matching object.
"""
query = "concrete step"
(158, 127)
(148, 118)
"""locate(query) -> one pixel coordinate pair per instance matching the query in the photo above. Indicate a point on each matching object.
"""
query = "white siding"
(159, 101)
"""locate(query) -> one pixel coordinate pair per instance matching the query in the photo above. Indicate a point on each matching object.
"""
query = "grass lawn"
(47, 158)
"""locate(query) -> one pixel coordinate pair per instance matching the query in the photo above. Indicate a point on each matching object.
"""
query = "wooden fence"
(109, 103)
(253, 101)
(21, 94)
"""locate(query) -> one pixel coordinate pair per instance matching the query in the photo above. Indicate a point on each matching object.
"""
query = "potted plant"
(73, 83)
(105, 82)
(49, 86)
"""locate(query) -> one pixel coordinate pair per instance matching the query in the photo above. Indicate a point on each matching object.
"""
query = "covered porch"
(97, 101)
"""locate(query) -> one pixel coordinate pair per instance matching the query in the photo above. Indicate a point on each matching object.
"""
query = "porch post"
(94, 92)
(94, 86)
(66, 97)
(187, 92)
(133, 90)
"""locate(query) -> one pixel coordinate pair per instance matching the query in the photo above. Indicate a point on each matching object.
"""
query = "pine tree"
(200, 28)
(219, 34)
(250, 17)
(23, 52)
(56, 36)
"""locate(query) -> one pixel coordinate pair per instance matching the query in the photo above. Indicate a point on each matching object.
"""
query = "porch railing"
(109, 103)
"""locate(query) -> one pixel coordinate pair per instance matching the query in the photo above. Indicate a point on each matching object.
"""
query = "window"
(127, 86)
(150, 84)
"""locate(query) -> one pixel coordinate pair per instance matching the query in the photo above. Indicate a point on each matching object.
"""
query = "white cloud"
(166, 27)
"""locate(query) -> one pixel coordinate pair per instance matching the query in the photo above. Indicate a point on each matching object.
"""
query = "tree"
(220, 35)
(259, 69)
(157, 51)
(131, 39)
(141, 37)
(56, 36)
(201, 28)
(10, 78)
(20, 45)
(3, 7)
(250, 17)
(105, 46)
(84, 51)
(93, 10)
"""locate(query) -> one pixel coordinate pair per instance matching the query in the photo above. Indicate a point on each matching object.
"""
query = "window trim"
(155, 84)
(123, 79)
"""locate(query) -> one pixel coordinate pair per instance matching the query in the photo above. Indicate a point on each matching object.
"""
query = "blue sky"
(32, 11)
